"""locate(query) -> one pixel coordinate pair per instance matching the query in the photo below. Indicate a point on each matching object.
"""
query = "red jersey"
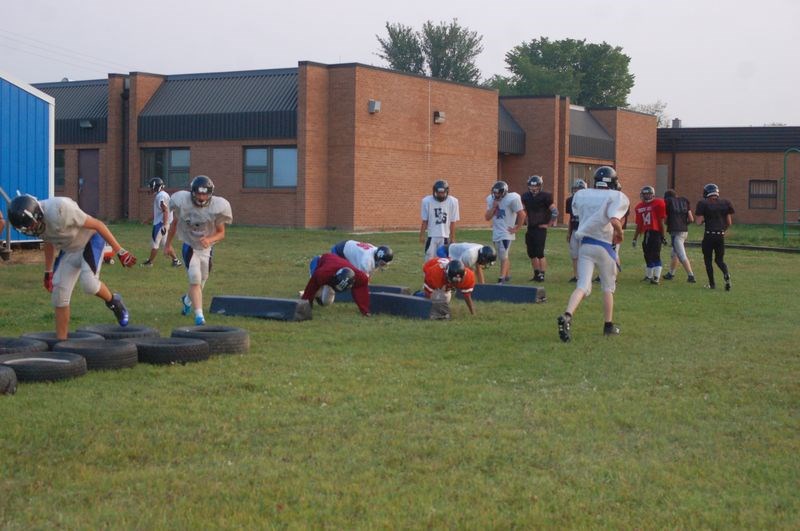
(324, 274)
(651, 216)
(435, 271)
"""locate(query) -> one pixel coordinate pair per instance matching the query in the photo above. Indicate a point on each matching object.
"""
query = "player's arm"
(479, 274)
(490, 212)
(452, 232)
(520, 221)
(619, 236)
(553, 214)
(219, 235)
(49, 257)
(470, 304)
(423, 229)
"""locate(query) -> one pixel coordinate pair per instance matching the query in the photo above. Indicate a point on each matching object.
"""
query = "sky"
(713, 63)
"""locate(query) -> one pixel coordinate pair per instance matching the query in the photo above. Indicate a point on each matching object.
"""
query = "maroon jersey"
(324, 274)
(650, 216)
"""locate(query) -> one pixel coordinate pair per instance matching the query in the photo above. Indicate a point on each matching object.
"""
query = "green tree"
(590, 74)
(443, 50)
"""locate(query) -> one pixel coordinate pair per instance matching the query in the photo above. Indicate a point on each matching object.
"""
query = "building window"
(171, 164)
(59, 168)
(270, 167)
(584, 172)
(763, 194)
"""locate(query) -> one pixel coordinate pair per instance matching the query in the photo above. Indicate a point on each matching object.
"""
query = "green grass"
(689, 419)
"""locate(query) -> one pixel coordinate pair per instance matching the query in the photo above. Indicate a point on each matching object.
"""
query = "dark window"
(59, 168)
(270, 167)
(763, 194)
(171, 164)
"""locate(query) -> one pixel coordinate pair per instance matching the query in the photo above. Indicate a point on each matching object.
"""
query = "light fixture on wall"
(438, 117)
(85, 124)
(374, 106)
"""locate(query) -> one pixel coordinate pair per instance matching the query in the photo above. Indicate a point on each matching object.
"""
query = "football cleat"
(187, 305)
(146, 263)
(118, 307)
(727, 282)
(564, 325)
(610, 330)
(691, 280)
(654, 281)
(573, 279)
(668, 276)
(199, 320)
(176, 263)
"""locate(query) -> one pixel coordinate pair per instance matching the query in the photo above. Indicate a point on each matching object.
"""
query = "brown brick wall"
(635, 135)
(111, 173)
(312, 145)
(142, 87)
(732, 172)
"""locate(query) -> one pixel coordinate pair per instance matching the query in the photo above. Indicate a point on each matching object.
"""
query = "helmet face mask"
(383, 255)
(455, 271)
(441, 190)
(580, 184)
(535, 184)
(647, 194)
(486, 256)
(343, 280)
(156, 184)
(499, 190)
(202, 190)
(26, 215)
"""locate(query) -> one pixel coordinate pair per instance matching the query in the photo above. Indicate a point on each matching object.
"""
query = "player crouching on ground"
(332, 274)
(80, 240)
(473, 255)
(443, 275)
(365, 256)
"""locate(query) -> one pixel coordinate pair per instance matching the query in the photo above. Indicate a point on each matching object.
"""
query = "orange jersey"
(435, 271)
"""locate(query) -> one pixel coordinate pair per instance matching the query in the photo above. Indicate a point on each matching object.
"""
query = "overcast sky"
(714, 63)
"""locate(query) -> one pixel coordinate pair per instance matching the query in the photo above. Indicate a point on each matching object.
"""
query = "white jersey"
(595, 208)
(158, 215)
(361, 255)
(194, 222)
(506, 215)
(64, 222)
(439, 215)
(466, 252)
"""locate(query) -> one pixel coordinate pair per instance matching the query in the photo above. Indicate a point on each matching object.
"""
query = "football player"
(79, 239)
(333, 274)
(717, 215)
(365, 256)
(507, 214)
(162, 218)
(439, 212)
(199, 220)
(443, 275)
(651, 215)
(679, 216)
(541, 213)
(473, 255)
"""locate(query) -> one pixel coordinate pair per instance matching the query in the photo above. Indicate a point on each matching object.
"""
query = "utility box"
(27, 144)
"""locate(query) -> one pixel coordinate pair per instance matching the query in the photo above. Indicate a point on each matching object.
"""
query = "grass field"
(689, 419)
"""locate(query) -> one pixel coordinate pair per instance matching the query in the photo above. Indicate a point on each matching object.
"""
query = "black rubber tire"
(112, 331)
(8, 380)
(102, 355)
(17, 345)
(51, 339)
(45, 366)
(220, 339)
(166, 350)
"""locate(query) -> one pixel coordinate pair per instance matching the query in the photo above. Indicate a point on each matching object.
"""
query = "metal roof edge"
(235, 73)
(27, 87)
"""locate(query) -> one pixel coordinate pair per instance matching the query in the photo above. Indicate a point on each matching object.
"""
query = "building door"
(89, 181)
(662, 179)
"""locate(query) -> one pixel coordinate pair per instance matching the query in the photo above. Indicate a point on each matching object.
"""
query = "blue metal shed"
(27, 142)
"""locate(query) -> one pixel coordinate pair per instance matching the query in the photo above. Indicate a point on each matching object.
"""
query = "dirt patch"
(21, 256)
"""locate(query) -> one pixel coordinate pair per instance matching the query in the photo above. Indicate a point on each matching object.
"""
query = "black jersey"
(537, 207)
(715, 213)
(677, 214)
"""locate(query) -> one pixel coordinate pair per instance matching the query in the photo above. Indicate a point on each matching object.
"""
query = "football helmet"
(486, 256)
(580, 184)
(156, 184)
(383, 255)
(710, 190)
(647, 194)
(535, 180)
(499, 189)
(26, 215)
(202, 184)
(607, 175)
(344, 279)
(441, 189)
(455, 271)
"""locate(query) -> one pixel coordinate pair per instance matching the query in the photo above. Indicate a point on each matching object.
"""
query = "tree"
(658, 109)
(590, 74)
(445, 51)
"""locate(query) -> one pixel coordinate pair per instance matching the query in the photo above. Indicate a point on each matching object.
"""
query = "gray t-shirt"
(194, 222)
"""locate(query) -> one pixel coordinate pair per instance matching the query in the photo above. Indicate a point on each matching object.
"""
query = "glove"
(48, 281)
(164, 229)
(126, 259)
(664, 240)
(633, 243)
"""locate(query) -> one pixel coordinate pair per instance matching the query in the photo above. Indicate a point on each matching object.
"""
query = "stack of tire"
(39, 356)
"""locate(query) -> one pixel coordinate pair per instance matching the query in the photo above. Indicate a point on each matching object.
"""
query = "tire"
(166, 350)
(220, 339)
(112, 331)
(51, 339)
(8, 380)
(101, 355)
(45, 366)
(16, 345)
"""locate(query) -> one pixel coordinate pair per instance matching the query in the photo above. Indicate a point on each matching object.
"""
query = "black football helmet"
(26, 215)
(455, 271)
(580, 184)
(486, 256)
(441, 187)
(499, 189)
(607, 175)
(535, 180)
(710, 190)
(647, 194)
(156, 184)
(343, 280)
(202, 185)
(383, 255)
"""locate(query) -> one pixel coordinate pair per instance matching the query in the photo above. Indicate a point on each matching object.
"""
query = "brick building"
(348, 146)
